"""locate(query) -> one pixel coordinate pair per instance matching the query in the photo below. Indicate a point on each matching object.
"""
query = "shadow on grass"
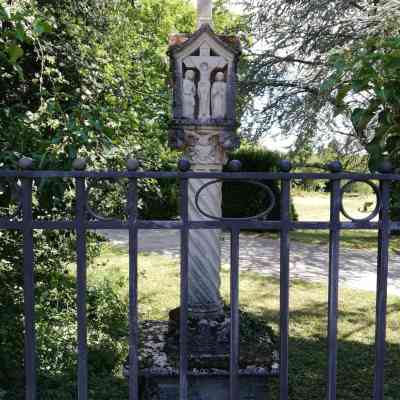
(308, 348)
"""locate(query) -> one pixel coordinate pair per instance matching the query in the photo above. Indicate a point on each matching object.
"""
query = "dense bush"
(243, 199)
(55, 294)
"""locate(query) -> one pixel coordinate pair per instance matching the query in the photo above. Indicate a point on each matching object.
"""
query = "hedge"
(242, 199)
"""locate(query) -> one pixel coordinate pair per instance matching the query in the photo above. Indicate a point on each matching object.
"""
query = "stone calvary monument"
(203, 127)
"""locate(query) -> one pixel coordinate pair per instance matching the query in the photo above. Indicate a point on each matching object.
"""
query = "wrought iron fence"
(24, 222)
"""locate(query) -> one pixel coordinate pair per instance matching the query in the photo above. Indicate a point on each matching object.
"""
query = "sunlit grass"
(259, 295)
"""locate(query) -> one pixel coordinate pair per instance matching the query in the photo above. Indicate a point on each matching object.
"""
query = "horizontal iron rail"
(143, 225)
(198, 175)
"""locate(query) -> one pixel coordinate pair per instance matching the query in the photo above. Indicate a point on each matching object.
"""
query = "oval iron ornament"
(265, 213)
(96, 216)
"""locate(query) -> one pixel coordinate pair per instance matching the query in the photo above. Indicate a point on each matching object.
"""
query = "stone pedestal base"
(208, 361)
(204, 387)
(206, 337)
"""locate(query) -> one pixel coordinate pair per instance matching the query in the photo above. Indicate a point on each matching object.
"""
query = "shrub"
(55, 295)
(243, 199)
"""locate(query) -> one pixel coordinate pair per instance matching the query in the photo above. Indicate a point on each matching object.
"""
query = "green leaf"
(329, 83)
(342, 93)
(40, 26)
(357, 116)
(359, 85)
(20, 33)
(15, 52)
(3, 14)
(20, 72)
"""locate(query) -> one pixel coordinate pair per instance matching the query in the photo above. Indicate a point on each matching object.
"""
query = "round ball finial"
(132, 164)
(184, 165)
(235, 166)
(79, 164)
(25, 163)
(386, 167)
(285, 166)
(335, 167)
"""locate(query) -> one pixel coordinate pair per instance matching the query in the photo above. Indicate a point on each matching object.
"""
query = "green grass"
(259, 295)
(315, 207)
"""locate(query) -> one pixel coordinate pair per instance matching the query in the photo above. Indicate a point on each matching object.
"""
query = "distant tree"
(289, 62)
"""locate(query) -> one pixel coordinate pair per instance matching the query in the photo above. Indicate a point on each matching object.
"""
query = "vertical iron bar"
(29, 292)
(284, 290)
(183, 326)
(235, 318)
(334, 238)
(81, 288)
(381, 299)
(133, 291)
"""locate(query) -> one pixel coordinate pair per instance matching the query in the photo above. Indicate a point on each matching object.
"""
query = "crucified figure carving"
(206, 64)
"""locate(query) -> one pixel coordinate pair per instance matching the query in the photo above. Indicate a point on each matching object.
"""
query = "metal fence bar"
(235, 318)
(246, 224)
(81, 288)
(198, 175)
(29, 291)
(284, 290)
(184, 288)
(381, 298)
(133, 291)
(334, 238)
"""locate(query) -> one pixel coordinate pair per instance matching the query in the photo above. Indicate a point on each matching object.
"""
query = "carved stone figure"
(205, 63)
(202, 148)
(189, 93)
(218, 97)
(203, 92)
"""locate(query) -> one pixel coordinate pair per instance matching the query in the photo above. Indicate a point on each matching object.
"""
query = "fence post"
(80, 226)
(184, 166)
(132, 166)
(235, 316)
(285, 166)
(382, 277)
(29, 284)
(334, 238)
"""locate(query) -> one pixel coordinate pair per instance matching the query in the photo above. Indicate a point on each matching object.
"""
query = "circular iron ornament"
(265, 213)
(90, 211)
(377, 208)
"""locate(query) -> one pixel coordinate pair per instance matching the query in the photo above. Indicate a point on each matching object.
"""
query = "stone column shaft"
(204, 252)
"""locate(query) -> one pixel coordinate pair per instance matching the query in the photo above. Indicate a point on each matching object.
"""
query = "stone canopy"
(204, 80)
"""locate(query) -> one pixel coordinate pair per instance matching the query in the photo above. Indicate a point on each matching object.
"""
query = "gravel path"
(259, 254)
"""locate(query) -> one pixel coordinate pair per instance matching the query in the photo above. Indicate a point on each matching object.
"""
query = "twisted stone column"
(204, 252)
(206, 155)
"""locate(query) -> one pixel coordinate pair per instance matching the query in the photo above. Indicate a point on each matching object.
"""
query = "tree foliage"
(290, 61)
(77, 79)
(366, 84)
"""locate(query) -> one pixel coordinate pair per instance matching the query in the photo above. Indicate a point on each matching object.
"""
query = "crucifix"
(205, 63)
(204, 12)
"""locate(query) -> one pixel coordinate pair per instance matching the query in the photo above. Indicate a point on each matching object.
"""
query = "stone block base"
(204, 387)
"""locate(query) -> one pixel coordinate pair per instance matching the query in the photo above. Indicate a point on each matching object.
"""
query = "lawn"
(259, 295)
(311, 206)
